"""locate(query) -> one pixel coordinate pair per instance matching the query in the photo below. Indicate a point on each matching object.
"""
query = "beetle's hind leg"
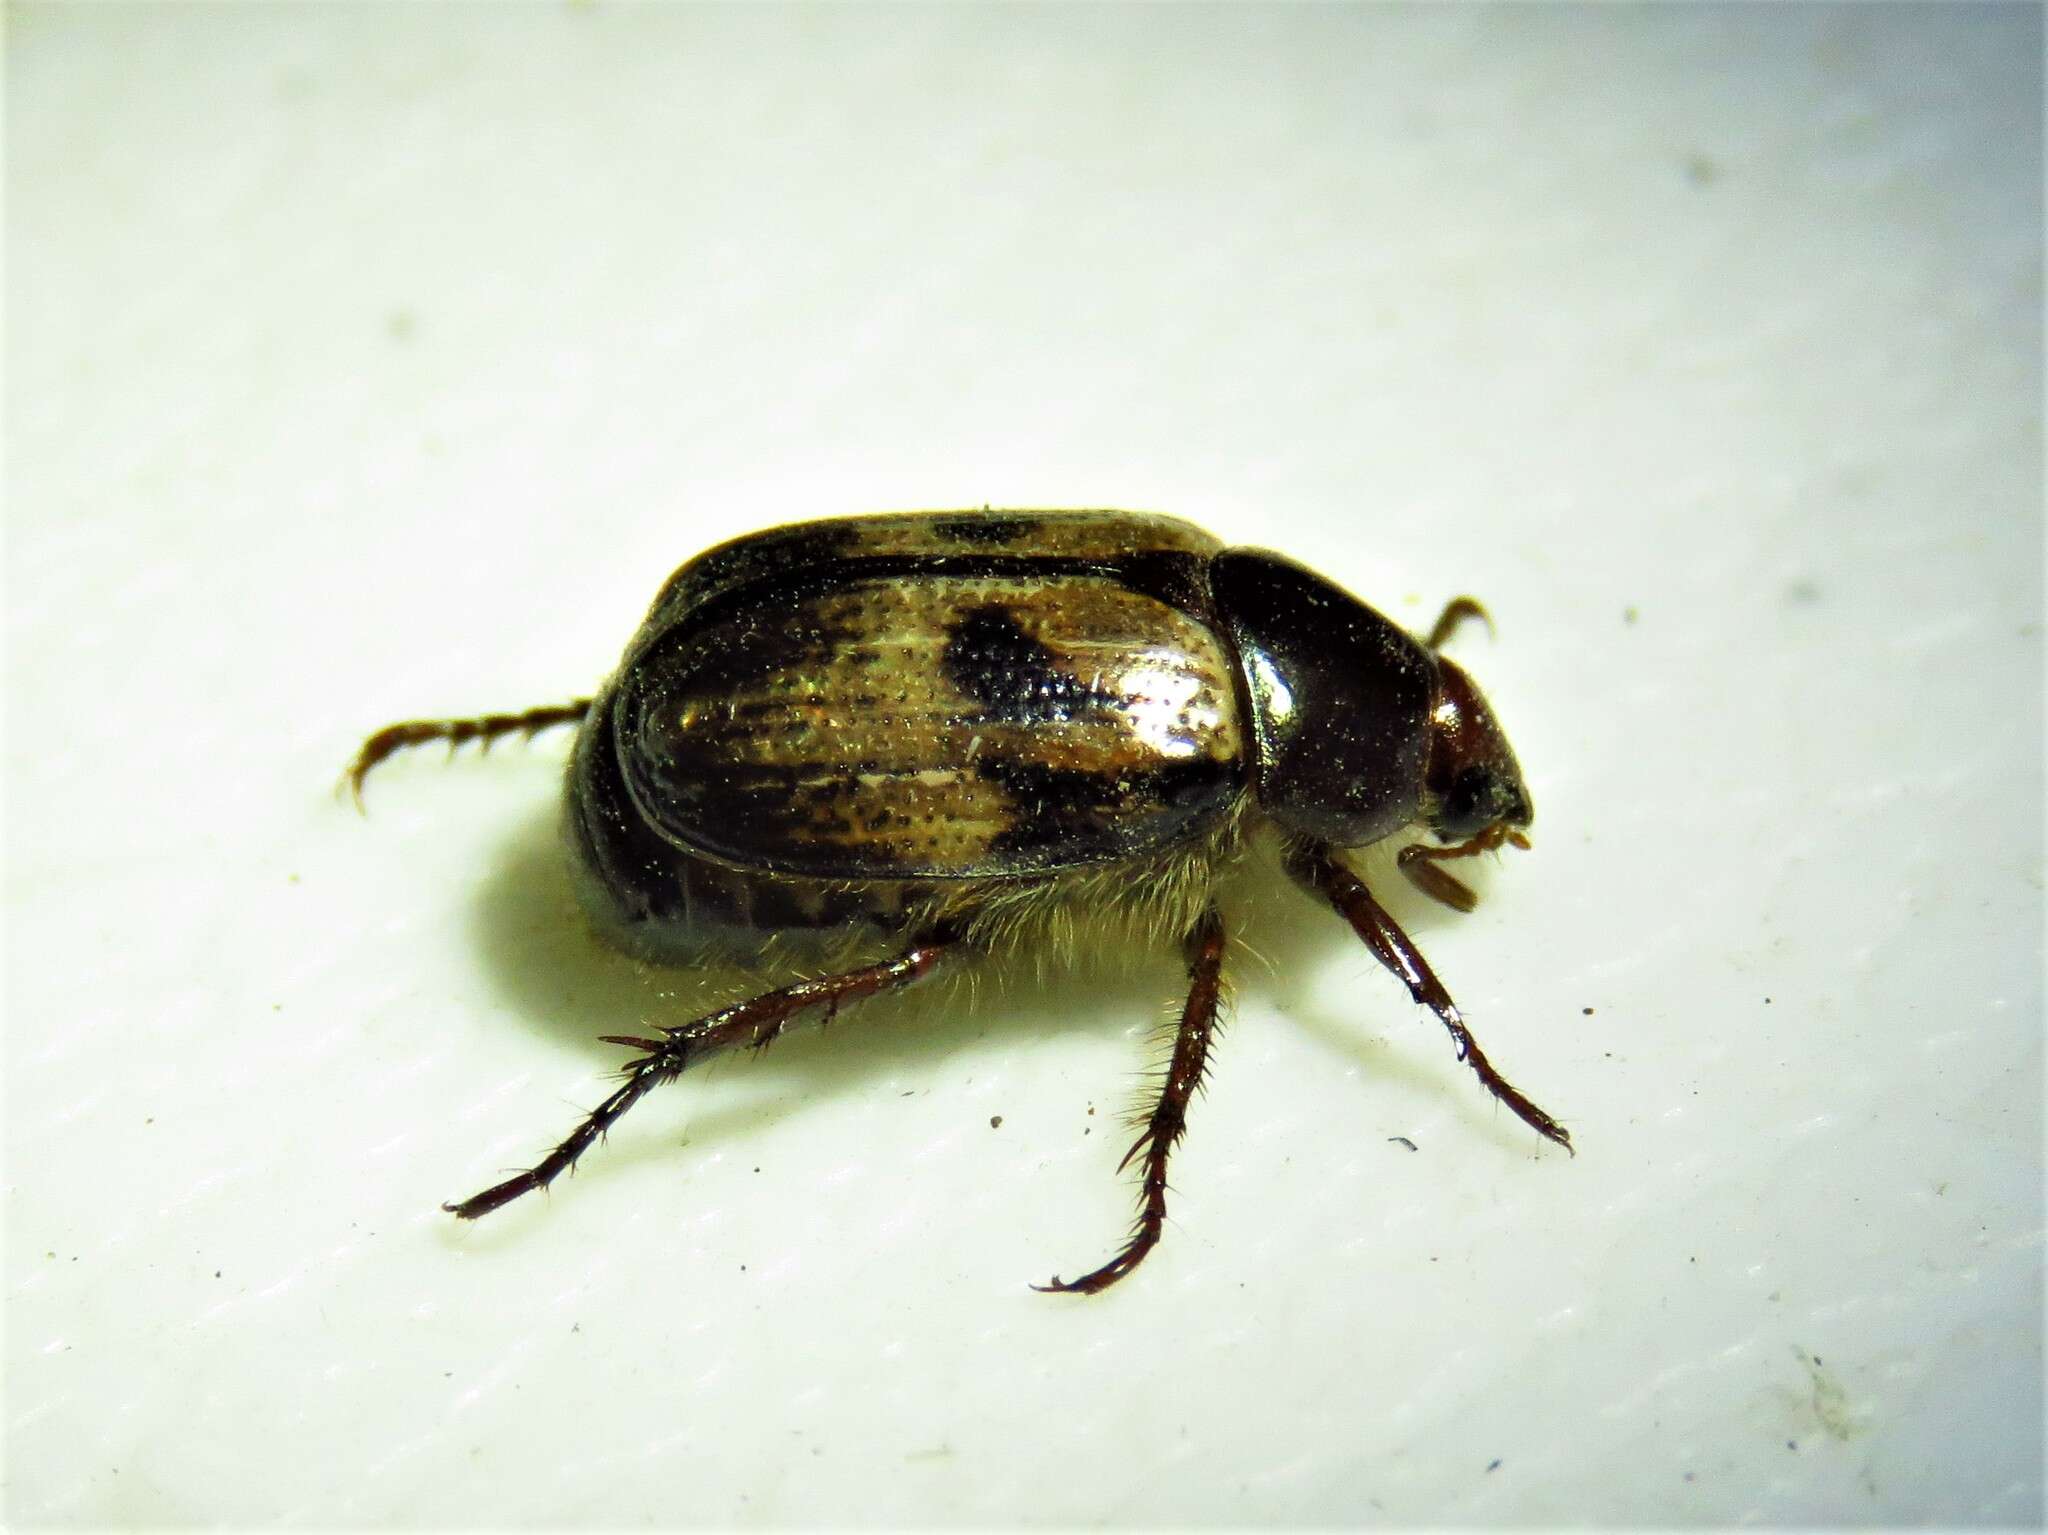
(1315, 865)
(1169, 1120)
(757, 1022)
(485, 728)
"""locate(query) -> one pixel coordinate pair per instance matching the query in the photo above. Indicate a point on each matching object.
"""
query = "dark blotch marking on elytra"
(1081, 816)
(982, 531)
(746, 560)
(775, 820)
(736, 658)
(991, 660)
(763, 762)
(1178, 579)
(684, 778)
(1172, 576)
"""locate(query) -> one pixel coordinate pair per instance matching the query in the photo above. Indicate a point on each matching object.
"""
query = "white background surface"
(365, 363)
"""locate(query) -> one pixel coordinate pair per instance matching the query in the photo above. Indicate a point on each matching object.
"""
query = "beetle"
(946, 733)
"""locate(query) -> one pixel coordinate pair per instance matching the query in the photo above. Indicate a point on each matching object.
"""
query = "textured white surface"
(372, 362)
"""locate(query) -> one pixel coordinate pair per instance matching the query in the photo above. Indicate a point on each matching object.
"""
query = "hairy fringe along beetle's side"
(943, 730)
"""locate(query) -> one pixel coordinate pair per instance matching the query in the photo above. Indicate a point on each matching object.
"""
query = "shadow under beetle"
(949, 732)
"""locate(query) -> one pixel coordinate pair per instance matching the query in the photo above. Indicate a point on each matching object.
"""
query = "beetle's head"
(1472, 781)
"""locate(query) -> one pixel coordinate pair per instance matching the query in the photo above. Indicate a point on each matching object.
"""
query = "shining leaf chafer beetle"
(947, 732)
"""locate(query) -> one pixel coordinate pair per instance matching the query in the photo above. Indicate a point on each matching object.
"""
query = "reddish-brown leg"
(1455, 612)
(1315, 865)
(757, 1022)
(1419, 863)
(485, 728)
(1169, 1120)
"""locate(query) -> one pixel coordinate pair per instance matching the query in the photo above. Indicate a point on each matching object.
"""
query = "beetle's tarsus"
(757, 1022)
(1314, 864)
(1167, 1122)
(486, 728)
(491, 1198)
(856, 724)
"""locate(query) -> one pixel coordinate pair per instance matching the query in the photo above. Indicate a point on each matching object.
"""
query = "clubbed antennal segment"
(1455, 612)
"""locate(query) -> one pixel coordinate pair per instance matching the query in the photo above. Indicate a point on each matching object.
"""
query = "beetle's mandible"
(945, 732)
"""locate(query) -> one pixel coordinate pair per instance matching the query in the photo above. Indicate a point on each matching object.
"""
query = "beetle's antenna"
(1455, 612)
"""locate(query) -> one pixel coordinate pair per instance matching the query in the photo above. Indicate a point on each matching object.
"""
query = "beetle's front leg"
(484, 727)
(1169, 1120)
(1420, 862)
(1315, 865)
(757, 1022)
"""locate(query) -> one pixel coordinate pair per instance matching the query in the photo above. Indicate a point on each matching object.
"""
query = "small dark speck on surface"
(216, 1275)
(1587, 1011)
(1402, 1140)
(1803, 592)
(1792, 1444)
(1493, 1465)
(1700, 170)
(995, 1121)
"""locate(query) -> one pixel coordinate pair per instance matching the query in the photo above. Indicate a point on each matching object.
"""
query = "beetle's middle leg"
(485, 728)
(757, 1022)
(1315, 865)
(1169, 1120)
